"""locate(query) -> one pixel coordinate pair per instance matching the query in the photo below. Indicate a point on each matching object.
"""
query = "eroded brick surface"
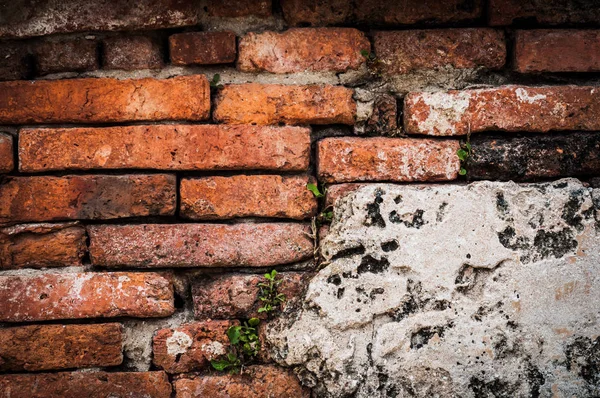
(211, 198)
(84, 295)
(92, 197)
(238, 8)
(132, 52)
(551, 12)
(6, 153)
(69, 55)
(14, 64)
(199, 245)
(46, 347)
(202, 48)
(274, 103)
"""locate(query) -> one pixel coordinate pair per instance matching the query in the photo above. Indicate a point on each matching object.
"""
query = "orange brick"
(6, 153)
(274, 103)
(46, 347)
(42, 245)
(211, 198)
(299, 50)
(84, 295)
(199, 245)
(202, 48)
(387, 159)
(86, 384)
(165, 147)
(104, 100)
(508, 108)
(93, 197)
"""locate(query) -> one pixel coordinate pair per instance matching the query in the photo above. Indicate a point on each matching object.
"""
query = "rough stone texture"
(86, 384)
(7, 163)
(487, 289)
(40, 297)
(213, 198)
(132, 52)
(173, 147)
(526, 158)
(237, 296)
(544, 12)
(92, 197)
(407, 50)
(547, 50)
(299, 50)
(191, 347)
(199, 245)
(46, 347)
(275, 103)
(377, 12)
(42, 245)
(202, 48)
(383, 119)
(382, 159)
(104, 100)
(508, 108)
(67, 55)
(44, 17)
(256, 381)
(238, 8)
(14, 64)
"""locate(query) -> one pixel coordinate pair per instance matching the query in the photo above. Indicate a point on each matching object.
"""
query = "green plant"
(215, 81)
(269, 293)
(463, 154)
(315, 190)
(373, 63)
(244, 347)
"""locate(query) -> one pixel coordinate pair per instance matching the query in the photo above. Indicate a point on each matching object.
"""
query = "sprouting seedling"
(244, 347)
(215, 81)
(269, 293)
(315, 190)
(463, 154)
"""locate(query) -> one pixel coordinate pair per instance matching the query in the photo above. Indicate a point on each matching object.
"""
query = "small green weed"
(463, 154)
(373, 63)
(315, 190)
(269, 294)
(215, 81)
(244, 347)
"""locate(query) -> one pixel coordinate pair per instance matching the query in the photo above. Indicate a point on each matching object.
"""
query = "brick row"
(556, 12)
(202, 48)
(132, 52)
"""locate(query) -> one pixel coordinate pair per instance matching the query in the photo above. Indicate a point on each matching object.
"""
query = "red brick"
(86, 384)
(238, 8)
(237, 296)
(547, 12)
(299, 50)
(377, 12)
(557, 51)
(44, 17)
(509, 108)
(132, 52)
(6, 153)
(84, 295)
(92, 197)
(256, 381)
(46, 347)
(339, 191)
(104, 100)
(202, 48)
(14, 64)
(173, 147)
(191, 347)
(384, 118)
(42, 245)
(387, 159)
(274, 103)
(409, 50)
(67, 55)
(199, 245)
(212, 198)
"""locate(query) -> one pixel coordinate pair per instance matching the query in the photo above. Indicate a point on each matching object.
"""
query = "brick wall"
(155, 157)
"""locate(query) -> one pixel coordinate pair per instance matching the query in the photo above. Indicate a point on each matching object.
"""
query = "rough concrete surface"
(482, 290)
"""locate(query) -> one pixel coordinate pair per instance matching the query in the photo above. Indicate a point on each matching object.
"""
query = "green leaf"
(364, 53)
(232, 358)
(215, 80)
(462, 171)
(462, 154)
(253, 321)
(315, 190)
(234, 333)
(220, 364)
(468, 146)
(261, 310)
(273, 274)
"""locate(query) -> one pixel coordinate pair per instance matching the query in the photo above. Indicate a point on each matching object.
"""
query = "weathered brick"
(548, 12)
(376, 12)
(527, 158)
(14, 64)
(211, 198)
(299, 50)
(86, 384)
(77, 55)
(104, 100)
(92, 197)
(199, 245)
(44, 17)
(46, 347)
(338, 191)
(202, 48)
(7, 163)
(238, 8)
(256, 381)
(387, 159)
(557, 50)
(409, 50)
(132, 52)
(42, 245)
(173, 147)
(84, 295)
(192, 346)
(508, 108)
(384, 118)
(274, 103)
(237, 296)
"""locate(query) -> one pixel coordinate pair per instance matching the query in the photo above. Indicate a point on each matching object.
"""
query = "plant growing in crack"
(215, 81)
(269, 293)
(373, 63)
(244, 347)
(463, 153)
(315, 190)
